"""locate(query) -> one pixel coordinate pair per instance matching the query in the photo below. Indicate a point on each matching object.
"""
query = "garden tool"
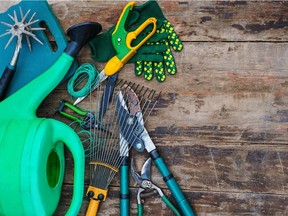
(17, 30)
(33, 147)
(122, 43)
(155, 56)
(32, 64)
(133, 130)
(87, 121)
(132, 106)
(107, 151)
(146, 186)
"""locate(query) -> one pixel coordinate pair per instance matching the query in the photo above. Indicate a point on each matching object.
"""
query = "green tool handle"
(71, 117)
(72, 141)
(172, 184)
(140, 209)
(75, 109)
(170, 205)
(124, 188)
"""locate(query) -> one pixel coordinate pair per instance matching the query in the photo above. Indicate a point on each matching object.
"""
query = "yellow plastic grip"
(95, 201)
(93, 207)
(133, 35)
(113, 65)
(130, 5)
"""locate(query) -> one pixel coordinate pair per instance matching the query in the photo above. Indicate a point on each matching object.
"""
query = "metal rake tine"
(32, 17)
(6, 33)
(115, 157)
(28, 42)
(31, 23)
(136, 89)
(21, 14)
(7, 24)
(15, 17)
(33, 36)
(11, 17)
(9, 41)
(25, 16)
(37, 29)
(28, 33)
(124, 82)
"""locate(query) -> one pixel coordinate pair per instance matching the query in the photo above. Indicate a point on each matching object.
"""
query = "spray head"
(79, 35)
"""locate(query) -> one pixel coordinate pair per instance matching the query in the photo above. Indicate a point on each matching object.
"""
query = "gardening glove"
(155, 55)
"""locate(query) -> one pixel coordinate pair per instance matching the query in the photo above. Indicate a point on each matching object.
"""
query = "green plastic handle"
(173, 187)
(119, 34)
(29, 98)
(75, 109)
(170, 205)
(71, 117)
(140, 210)
(124, 188)
(68, 136)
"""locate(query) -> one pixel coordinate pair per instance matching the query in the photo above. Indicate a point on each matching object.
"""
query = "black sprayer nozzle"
(79, 35)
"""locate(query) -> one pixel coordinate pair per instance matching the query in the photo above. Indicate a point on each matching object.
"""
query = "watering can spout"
(28, 98)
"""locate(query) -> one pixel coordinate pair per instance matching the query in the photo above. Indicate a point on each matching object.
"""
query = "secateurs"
(133, 130)
(17, 30)
(86, 121)
(148, 188)
(121, 40)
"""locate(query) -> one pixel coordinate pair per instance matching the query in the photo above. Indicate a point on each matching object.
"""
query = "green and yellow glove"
(155, 56)
(167, 63)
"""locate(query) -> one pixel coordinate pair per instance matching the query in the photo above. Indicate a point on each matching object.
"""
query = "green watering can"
(32, 148)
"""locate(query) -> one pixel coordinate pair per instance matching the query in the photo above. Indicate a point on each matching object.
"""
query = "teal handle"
(140, 209)
(124, 189)
(170, 205)
(174, 187)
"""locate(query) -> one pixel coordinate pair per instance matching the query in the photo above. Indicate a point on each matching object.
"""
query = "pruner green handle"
(121, 40)
(140, 209)
(172, 184)
(170, 205)
(72, 107)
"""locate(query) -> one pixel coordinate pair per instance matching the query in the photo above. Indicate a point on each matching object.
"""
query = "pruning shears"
(126, 104)
(133, 130)
(122, 43)
(148, 188)
(86, 119)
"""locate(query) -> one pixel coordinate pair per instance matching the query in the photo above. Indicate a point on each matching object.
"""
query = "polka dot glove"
(167, 62)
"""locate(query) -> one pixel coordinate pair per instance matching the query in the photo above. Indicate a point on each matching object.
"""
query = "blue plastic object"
(32, 64)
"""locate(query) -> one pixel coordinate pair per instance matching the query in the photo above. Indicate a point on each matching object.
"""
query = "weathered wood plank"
(221, 124)
(199, 166)
(204, 203)
(222, 92)
(194, 20)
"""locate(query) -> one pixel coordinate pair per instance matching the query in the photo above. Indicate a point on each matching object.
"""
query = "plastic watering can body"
(31, 150)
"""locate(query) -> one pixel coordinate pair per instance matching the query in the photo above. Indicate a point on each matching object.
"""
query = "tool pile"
(114, 120)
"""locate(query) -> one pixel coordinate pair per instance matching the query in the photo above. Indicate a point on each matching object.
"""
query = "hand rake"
(110, 148)
(17, 30)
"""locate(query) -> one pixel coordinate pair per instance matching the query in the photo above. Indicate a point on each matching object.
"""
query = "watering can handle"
(71, 140)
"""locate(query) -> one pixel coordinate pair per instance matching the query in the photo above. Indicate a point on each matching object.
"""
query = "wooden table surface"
(222, 124)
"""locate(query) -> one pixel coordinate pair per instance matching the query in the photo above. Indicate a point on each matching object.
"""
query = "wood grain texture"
(194, 20)
(212, 203)
(221, 124)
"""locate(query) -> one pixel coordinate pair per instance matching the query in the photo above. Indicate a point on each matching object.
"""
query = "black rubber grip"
(5, 81)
